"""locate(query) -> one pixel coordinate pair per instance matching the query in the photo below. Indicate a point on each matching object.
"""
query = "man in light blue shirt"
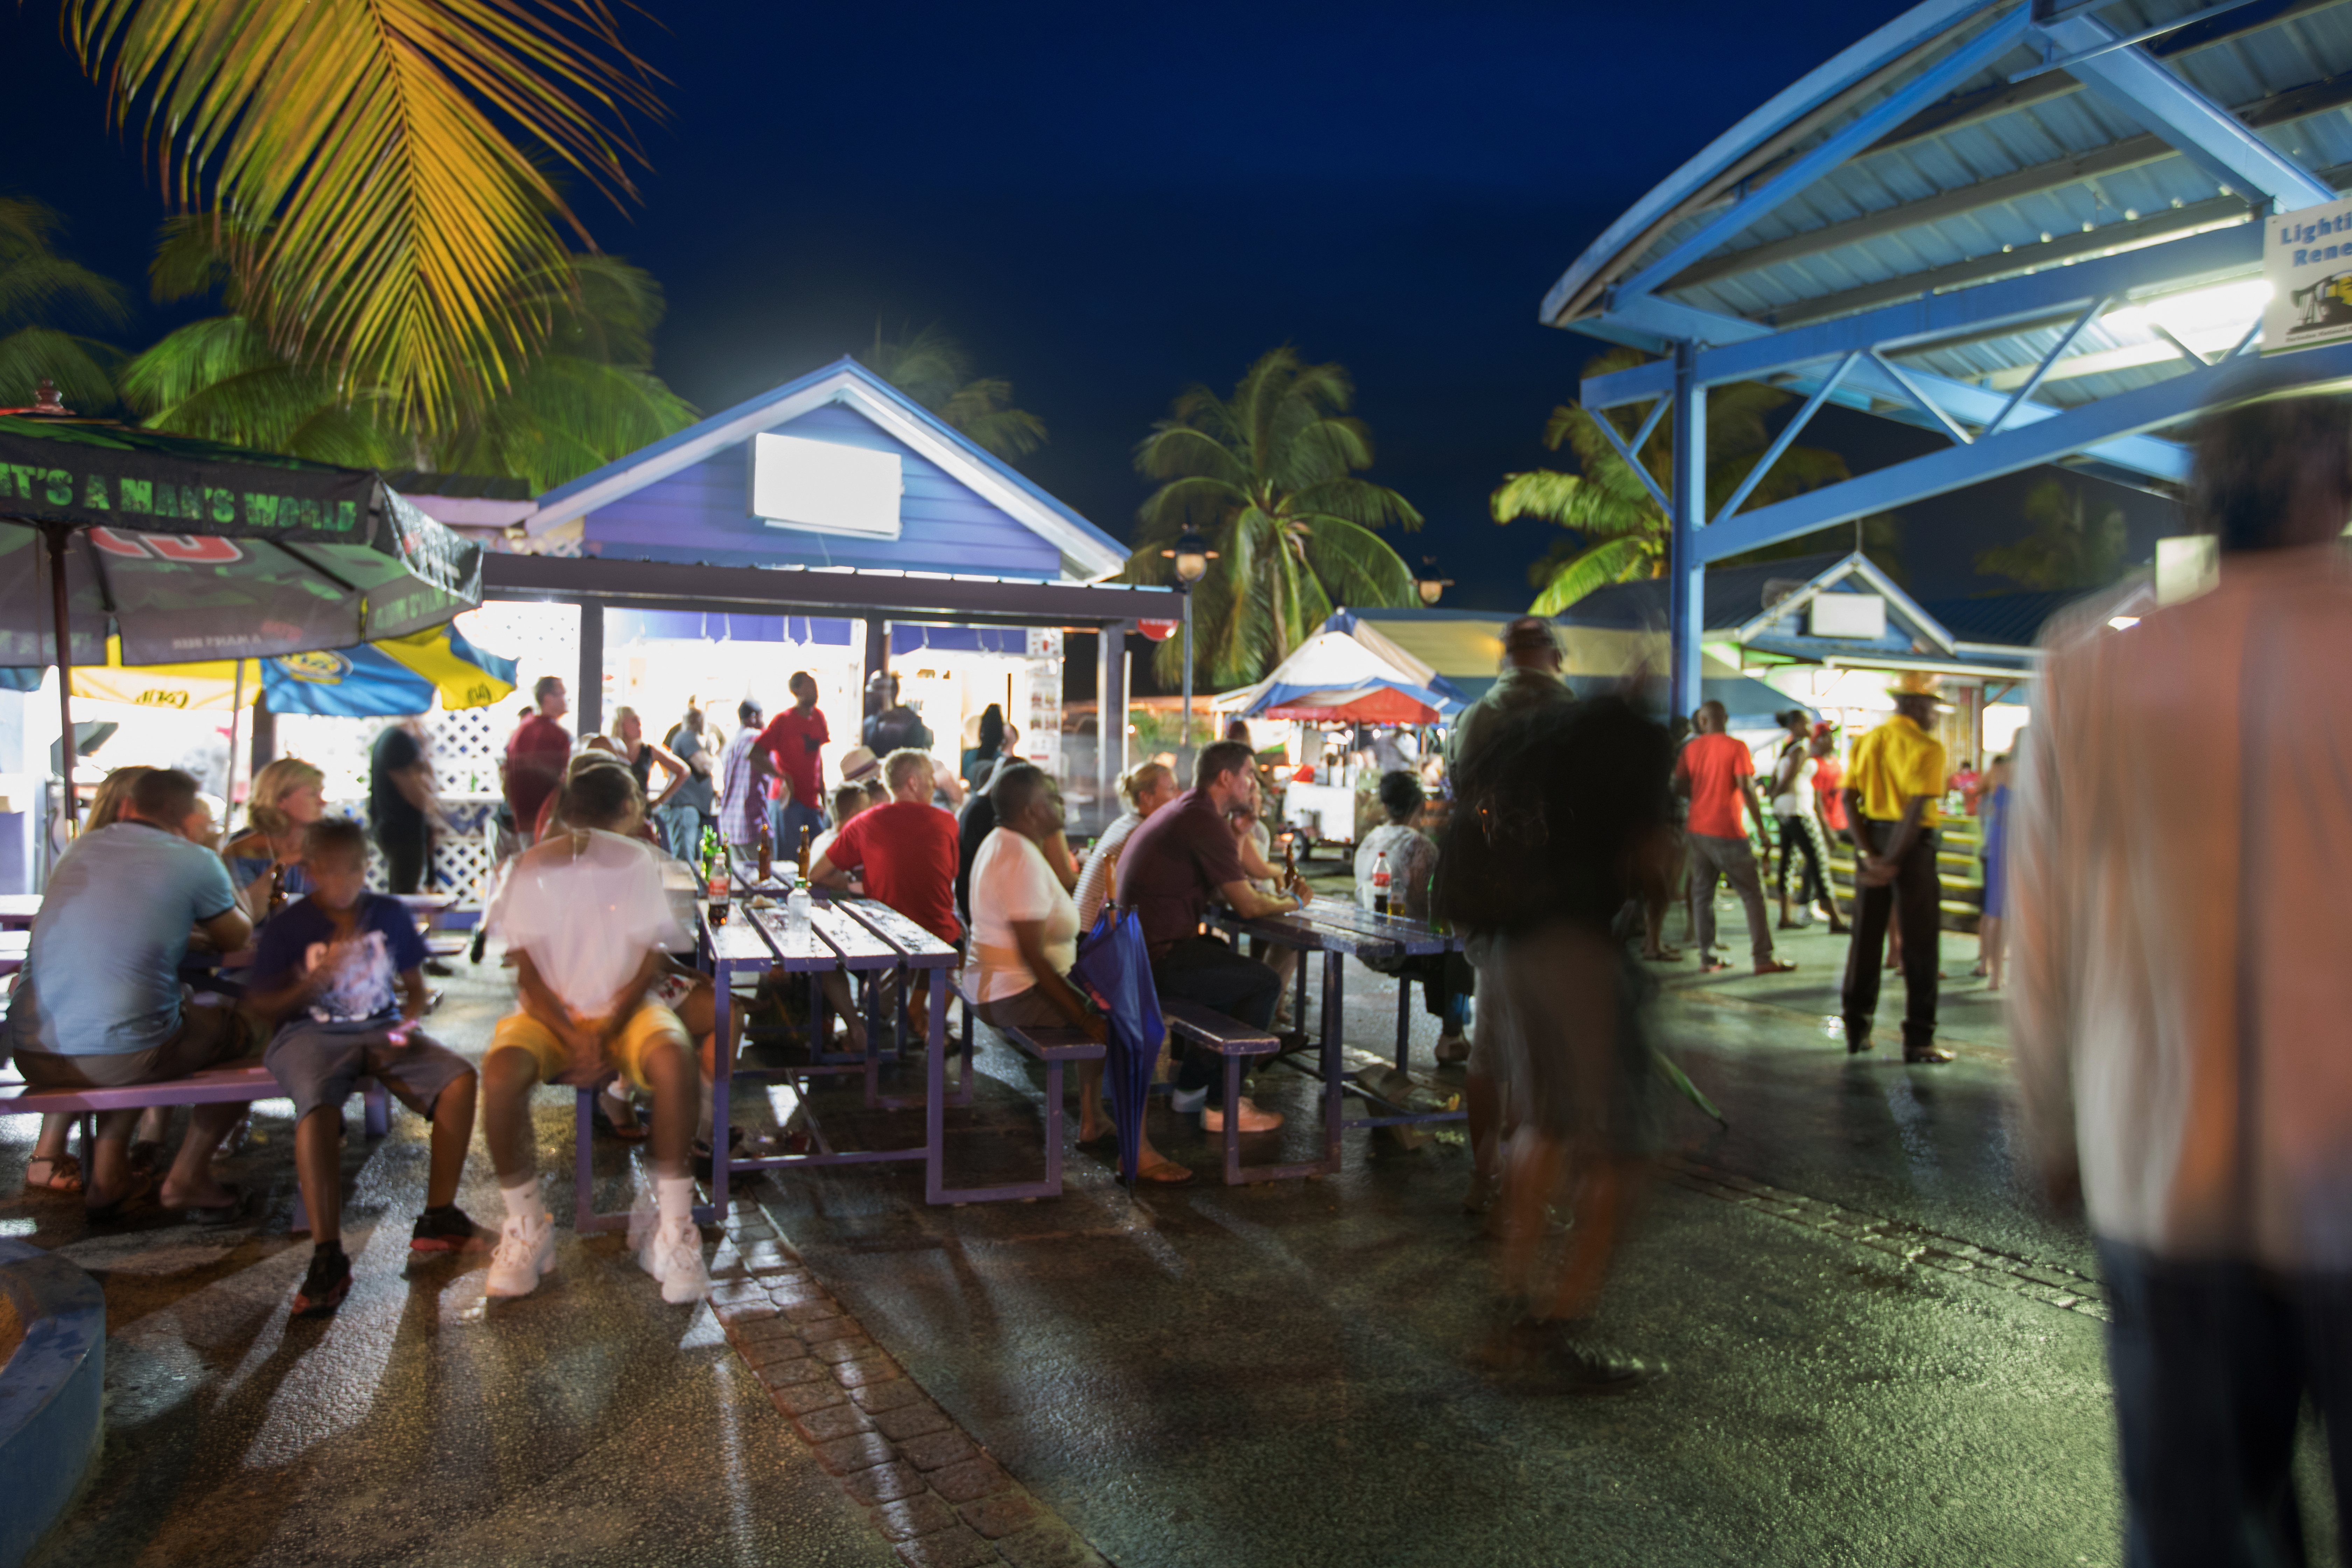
(101, 1005)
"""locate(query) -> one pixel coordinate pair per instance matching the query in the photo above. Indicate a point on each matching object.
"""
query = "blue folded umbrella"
(1114, 965)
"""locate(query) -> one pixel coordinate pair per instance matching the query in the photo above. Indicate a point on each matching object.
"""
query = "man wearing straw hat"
(1890, 795)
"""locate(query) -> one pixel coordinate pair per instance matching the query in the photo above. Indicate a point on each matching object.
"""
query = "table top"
(739, 941)
(1333, 925)
(858, 946)
(915, 946)
(19, 909)
(796, 951)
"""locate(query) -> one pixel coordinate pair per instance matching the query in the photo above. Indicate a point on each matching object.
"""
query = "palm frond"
(1359, 501)
(1574, 501)
(81, 368)
(384, 156)
(1357, 567)
(1177, 451)
(1611, 560)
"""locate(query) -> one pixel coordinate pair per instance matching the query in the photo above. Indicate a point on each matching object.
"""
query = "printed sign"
(2307, 262)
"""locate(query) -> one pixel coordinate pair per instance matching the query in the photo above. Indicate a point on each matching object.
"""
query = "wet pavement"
(1882, 1350)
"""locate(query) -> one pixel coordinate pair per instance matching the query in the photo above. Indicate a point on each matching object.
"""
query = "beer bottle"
(801, 860)
(1380, 884)
(715, 879)
(767, 854)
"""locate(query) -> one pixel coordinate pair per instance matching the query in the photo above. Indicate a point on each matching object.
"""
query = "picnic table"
(1339, 929)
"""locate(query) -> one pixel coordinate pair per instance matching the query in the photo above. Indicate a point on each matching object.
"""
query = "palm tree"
(1620, 532)
(38, 288)
(934, 369)
(588, 398)
(397, 164)
(2070, 547)
(1268, 477)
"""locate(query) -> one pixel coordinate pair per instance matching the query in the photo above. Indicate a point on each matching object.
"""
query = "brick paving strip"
(2052, 1283)
(931, 1491)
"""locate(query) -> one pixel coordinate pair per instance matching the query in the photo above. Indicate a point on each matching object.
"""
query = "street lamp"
(1430, 588)
(1192, 555)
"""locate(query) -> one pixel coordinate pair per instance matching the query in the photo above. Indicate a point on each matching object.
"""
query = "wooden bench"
(1234, 1041)
(214, 1086)
(1052, 1047)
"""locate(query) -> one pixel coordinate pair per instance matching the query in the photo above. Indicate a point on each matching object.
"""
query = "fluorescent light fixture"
(821, 487)
(2212, 318)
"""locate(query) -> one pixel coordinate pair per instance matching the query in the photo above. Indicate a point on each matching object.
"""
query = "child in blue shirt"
(341, 974)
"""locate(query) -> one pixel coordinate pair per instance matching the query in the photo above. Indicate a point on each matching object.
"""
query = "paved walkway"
(1883, 1351)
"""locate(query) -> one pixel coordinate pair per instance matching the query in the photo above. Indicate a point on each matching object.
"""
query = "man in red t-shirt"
(1716, 772)
(535, 754)
(796, 792)
(908, 851)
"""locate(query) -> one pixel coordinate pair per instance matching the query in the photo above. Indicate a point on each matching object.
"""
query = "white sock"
(675, 1194)
(522, 1202)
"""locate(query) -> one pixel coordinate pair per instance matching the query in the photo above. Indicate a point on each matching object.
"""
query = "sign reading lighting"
(818, 487)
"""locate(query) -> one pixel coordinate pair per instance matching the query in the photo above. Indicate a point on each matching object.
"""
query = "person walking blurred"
(2179, 992)
(1530, 679)
(1716, 774)
(1890, 798)
(401, 811)
(535, 754)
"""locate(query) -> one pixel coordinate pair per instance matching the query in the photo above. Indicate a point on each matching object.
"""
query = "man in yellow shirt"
(1890, 795)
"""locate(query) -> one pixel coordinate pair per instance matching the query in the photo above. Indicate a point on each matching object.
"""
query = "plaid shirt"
(743, 806)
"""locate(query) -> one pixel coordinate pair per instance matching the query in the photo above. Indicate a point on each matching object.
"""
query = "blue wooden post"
(1687, 574)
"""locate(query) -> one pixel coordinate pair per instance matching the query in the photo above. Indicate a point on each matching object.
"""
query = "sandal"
(141, 1186)
(1775, 966)
(64, 1176)
(1168, 1172)
(229, 1213)
(1714, 965)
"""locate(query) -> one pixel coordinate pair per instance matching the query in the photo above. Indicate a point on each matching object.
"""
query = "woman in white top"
(1024, 938)
(1792, 805)
(1146, 789)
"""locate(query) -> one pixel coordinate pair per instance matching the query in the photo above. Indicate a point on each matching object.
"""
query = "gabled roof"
(1087, 551)
(1735, 595)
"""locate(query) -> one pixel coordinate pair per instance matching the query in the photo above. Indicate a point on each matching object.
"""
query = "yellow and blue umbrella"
(382, 680)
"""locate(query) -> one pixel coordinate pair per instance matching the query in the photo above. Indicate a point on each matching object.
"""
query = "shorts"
(319, 1065)
(206, 1037)
(647, 1024)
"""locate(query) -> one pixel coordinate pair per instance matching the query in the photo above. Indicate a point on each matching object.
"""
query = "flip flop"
(1100, 1144)
(208, 1214)
(1715, 967)
(603, 1123)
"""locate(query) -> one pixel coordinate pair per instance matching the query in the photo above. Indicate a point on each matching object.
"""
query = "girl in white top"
(1024, 938)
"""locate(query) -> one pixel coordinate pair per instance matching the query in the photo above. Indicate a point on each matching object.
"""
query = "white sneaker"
(676, 1260)
(526, 1252)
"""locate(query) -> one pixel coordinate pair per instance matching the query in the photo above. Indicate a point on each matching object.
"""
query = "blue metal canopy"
(2033, 226)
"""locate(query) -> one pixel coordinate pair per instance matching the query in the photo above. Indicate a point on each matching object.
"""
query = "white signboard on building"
(2307, 262)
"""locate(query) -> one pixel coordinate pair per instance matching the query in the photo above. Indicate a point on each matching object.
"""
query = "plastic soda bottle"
(1380, 884)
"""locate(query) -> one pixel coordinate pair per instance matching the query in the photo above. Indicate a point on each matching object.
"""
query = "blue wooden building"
(838, 469)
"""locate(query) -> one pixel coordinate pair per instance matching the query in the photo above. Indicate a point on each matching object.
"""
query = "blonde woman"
(288, 796)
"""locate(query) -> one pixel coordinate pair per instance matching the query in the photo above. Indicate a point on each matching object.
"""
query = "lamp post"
(1191, 556)
(1431, 588)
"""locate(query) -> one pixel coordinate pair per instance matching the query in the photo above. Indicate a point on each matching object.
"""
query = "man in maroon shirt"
(908, 851)
(796, 792)
(1180, 857)
(535, 754)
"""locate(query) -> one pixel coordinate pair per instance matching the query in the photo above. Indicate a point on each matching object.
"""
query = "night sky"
(1106, 203)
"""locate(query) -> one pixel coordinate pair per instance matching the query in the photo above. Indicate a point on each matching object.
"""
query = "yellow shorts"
(626, 1055)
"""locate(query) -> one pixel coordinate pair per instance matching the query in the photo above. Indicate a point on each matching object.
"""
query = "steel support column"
(588, 697)
(1110, 722)
(1686, 569)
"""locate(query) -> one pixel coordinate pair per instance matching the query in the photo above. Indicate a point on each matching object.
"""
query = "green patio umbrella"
(193, 551)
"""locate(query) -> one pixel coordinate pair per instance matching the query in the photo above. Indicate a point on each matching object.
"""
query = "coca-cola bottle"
(1380, 884)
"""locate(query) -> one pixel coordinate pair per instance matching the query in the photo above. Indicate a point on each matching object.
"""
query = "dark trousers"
(406, 853)
(1444, 977)
(2212, 1362)
(1796, 839)
(1912, 899)
(1203, 969)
